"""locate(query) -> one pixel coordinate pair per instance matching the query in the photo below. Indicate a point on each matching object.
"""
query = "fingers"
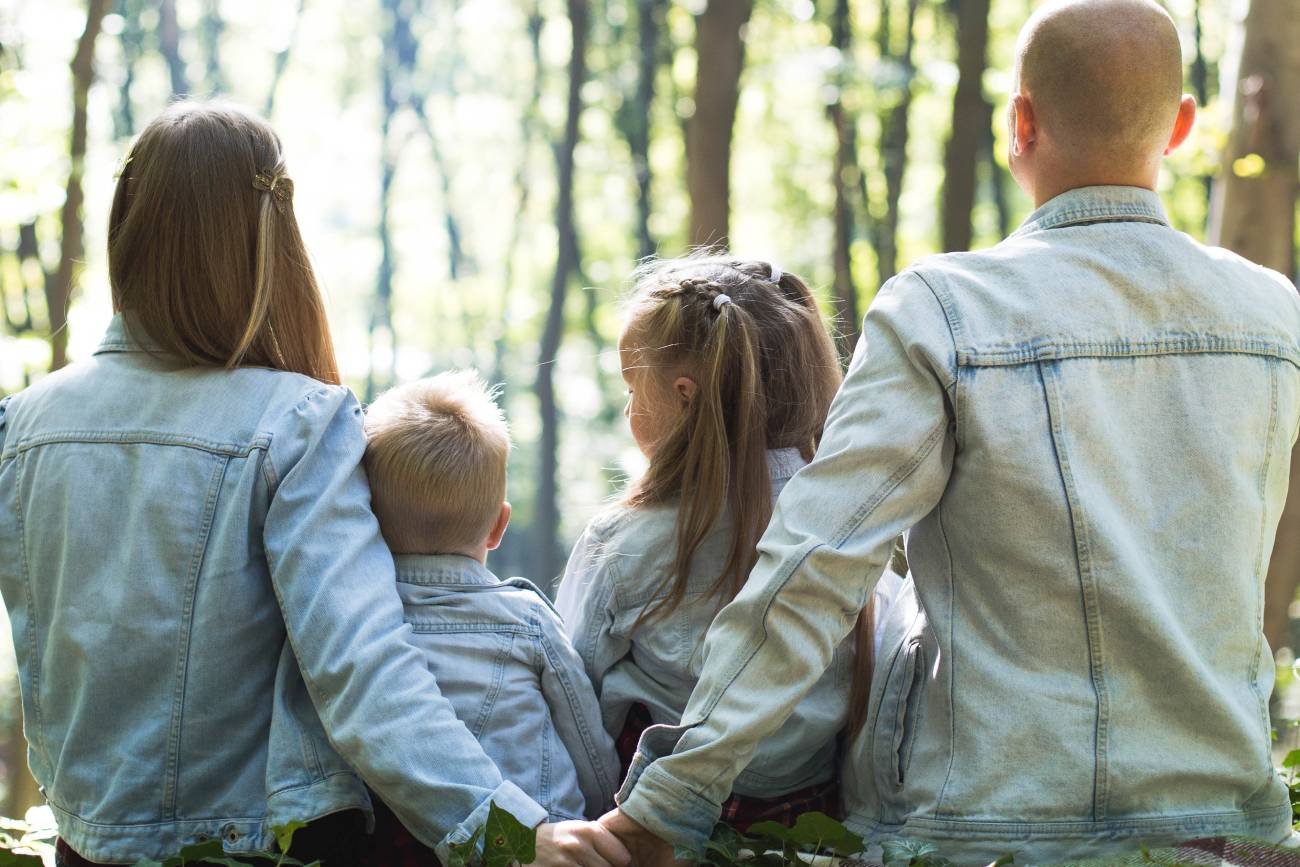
(608, 846)
(579, 844)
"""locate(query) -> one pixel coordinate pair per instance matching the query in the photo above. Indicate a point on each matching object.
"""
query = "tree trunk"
(650, 20)
(846, 180)
(547, 518)
(970, 117)
(58, 292)
(169, 43)
(720, 57)
(132, 40)
(1253, 213)
(894, 135)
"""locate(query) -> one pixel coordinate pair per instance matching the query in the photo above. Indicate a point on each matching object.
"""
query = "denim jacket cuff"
(506, 796)
(668, 808)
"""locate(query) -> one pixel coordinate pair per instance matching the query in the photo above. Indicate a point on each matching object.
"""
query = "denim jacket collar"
(427, 569)
(119, 339)
(1096, 205)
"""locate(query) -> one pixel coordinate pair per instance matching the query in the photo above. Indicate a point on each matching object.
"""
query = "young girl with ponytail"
(730, 372)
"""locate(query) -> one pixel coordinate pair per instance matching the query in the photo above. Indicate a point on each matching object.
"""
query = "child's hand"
(579, 844)
(647, 849)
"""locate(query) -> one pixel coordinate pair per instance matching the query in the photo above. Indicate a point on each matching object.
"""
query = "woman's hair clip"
(277, 184)
(777, 273)
(720, 300)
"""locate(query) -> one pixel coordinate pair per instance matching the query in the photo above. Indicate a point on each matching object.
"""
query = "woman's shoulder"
(631, 530)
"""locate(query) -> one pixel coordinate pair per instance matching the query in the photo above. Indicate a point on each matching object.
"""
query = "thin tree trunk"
(169, 43)
(566, 264)
(1253, 213)
(970, 115)
(281, 61)
(720, 57)
(846, 180)
(132, 40)
(894, 133)
(58, 293)
(650, 15)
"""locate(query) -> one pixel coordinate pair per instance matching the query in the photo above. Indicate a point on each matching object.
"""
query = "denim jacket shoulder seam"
(952, 320)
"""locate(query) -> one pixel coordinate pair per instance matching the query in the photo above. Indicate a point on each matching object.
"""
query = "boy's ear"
(685, 388)
(499, 528)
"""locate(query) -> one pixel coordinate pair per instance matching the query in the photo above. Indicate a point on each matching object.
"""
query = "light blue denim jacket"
(1087, 429)
(503, 660)
(195, 582)
(617, 569)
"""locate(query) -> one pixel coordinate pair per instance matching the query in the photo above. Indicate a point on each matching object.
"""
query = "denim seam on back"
(952, 665)
(494, 689)
(143, 437)
(171, 781)
(1048, 375)
(20, 462)
(1264, 542)
(562, 674)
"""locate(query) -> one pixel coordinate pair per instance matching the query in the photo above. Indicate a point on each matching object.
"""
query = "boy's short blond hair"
(436, 455)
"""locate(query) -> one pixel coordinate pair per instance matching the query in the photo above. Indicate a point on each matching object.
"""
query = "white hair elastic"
(720, 300)
(777, 273)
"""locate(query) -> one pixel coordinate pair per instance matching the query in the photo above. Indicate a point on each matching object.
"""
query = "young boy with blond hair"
(436, 456)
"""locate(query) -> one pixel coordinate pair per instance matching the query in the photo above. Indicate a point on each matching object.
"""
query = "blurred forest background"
(476, 178)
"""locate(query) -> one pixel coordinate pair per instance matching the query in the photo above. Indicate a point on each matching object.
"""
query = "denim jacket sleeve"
(883, 464)
(334, 579)
(576, 715)
(586, 601)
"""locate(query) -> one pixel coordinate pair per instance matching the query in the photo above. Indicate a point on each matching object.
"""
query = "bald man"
(1085, 433)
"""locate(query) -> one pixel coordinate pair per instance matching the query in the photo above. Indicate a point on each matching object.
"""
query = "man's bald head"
(1104, 76)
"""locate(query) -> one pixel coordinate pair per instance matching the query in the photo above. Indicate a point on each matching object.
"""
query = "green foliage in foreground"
(815, 840)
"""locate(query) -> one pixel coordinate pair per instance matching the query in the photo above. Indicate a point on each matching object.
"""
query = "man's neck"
(1050, 184)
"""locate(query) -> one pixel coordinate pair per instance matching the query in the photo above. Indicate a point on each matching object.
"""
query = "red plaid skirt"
(740, 811)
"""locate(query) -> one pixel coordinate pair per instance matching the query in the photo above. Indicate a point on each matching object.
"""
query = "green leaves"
(507, 841)
(812, 831)
(10, 858)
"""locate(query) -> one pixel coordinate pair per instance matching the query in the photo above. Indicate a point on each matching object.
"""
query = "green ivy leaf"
(507, 841)
(1004, 861)
(465, 854)
(9, 857)
(284, 834)
(823, 832)
(147, 862)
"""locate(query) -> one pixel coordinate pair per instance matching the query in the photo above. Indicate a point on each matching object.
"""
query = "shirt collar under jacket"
(428, 569)
(1095, 205)
(782, 464)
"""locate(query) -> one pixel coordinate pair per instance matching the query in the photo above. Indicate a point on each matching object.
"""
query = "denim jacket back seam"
(43, 748)
(1172, 344)
(441, 627)
(1265, 545)
(157, 438)
(1049, 378)
(171, 772)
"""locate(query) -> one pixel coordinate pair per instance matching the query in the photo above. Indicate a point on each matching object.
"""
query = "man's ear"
(1021, 123)
(1183, 123)
(685, 388)
(499, 528)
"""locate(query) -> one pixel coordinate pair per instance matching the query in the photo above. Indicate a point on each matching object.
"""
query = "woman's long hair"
(204, 252)
(765, 370)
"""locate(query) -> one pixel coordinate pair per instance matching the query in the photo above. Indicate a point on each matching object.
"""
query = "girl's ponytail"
(765, 372)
